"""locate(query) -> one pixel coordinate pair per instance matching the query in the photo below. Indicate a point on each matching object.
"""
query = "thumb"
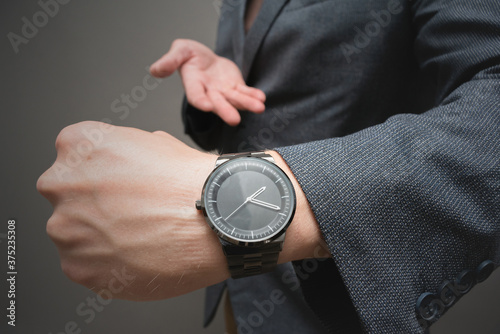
(179, 53)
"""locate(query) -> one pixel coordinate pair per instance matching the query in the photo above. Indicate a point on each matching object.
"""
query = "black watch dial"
(249, 199)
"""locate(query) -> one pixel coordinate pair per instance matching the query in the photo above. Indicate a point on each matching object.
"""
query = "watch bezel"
(248, 243)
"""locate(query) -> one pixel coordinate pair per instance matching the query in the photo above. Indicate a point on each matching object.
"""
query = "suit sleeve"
(410, 208)
(200, 125)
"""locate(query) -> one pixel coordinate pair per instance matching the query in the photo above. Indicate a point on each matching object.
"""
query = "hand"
(212, 83)
(124, 218)
(127, 206)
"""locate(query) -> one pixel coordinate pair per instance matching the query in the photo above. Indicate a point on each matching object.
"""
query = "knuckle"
(61, 232)
(161, 133)
(68, 269)
(75, 133)
(47, 185)
(81, 273)
(88, 124)
(67, 136)
(184, 48)
(74, 272)
(53, 228)
(179, 43)
(42, 184)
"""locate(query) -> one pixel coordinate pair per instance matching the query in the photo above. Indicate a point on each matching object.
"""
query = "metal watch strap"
(244, 261)
(248, 261)
(226, 157)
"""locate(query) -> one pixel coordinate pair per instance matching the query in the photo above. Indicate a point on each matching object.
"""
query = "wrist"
(212, 254)
(303, 237)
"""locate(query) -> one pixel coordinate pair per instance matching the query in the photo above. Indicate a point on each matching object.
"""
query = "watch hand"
(257, 193)
(264, 204)
(232, 213)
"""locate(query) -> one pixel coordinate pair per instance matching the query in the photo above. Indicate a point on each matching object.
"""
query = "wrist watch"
(249, 202)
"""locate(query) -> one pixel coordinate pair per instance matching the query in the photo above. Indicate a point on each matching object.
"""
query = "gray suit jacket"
(388, 114)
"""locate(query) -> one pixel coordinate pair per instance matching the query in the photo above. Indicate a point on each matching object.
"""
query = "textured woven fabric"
(388, 113)
(409, 203)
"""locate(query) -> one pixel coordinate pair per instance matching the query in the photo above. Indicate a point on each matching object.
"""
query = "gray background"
(84, 58)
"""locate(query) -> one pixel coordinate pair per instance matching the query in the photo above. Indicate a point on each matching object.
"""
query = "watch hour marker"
(234, 228)
(270, 227)
(252, 233)
(211, 201)
(282, 214)
(228, 171)
(216, 219)
(246, 166)
(278, 180)
(284, 196)
(263, 169)
(217, 184)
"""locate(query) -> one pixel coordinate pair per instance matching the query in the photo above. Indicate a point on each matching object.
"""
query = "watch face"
(249, 199)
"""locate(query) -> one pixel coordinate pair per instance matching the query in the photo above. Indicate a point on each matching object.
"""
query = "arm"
(124, 203)
(413, 202)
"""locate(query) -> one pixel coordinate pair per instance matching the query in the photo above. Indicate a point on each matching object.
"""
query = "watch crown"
(198, 205)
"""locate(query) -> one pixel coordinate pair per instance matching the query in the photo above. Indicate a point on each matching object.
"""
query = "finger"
(224, 109)
(179, 53)
(196, 94)
(251, 91)
(244, 102)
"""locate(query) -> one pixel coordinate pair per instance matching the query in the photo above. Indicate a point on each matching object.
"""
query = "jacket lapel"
(267, 15)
